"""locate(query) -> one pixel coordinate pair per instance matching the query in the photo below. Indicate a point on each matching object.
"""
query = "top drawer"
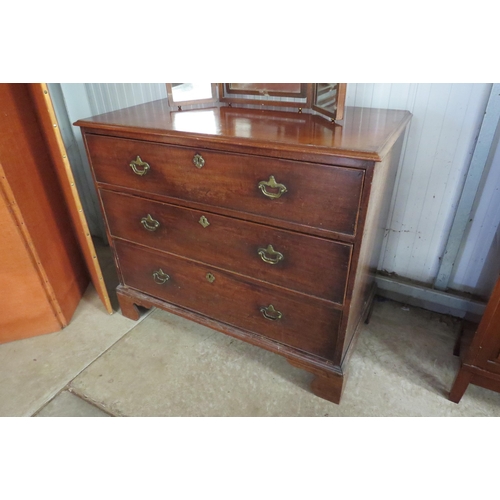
(316, 196)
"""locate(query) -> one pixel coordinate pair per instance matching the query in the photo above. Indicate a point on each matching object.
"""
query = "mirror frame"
(305, 98)
(338, 114)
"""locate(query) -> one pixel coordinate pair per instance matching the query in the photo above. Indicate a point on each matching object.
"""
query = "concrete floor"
(163, 365)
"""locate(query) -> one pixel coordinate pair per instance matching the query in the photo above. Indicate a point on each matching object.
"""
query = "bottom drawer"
(287, 317)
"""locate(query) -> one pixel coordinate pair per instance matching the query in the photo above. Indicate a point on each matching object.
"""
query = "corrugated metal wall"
(478, 264)
(436, 154)
(104, 97)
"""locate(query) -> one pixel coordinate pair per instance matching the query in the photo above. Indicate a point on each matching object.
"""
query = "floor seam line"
(68, 384)
(81, 396)
(110, 347)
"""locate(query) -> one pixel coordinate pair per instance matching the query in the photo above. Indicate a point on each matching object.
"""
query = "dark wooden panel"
(306, 324)
(130, 298)
(325, 197)
(327, 224)
(480, 362)
(485, 345)
(310, 265)
(373, 214)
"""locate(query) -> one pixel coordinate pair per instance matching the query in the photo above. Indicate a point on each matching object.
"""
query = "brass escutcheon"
(270, 255)
(139, 167)
(198, 160)
(160, 277)
(149, 223)
(271, 313)
(271, 183)
(204, 221)
(210, 277)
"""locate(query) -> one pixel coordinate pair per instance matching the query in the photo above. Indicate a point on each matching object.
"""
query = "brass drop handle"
(271, 183)
(198, 160)
(139, 167)
(149, 223)
(160, 277)
(270, 255)
(271, 313)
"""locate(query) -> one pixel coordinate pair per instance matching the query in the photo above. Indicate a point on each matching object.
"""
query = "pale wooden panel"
(28, 303)
(29, 170)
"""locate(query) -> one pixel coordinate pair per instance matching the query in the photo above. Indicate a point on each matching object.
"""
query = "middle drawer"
(307, 264)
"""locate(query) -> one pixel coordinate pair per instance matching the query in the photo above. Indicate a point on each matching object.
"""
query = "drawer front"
(322, 197)
(308, 264)
(293, 319)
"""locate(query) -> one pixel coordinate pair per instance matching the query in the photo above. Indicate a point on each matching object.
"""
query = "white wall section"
(104, 97)
(439, 144)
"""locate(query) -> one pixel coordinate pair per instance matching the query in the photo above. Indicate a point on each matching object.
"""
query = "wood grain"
(366, 134)
(331, 389)
(374, 211)
(233, 244)
(338, 180)
(29, 305)
(232, 181)
(33, 196)
(233, 300)
(28, 166)
(481, 363)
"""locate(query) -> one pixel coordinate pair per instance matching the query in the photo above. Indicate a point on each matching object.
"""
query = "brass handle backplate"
(270, 255)
(149, 223)
(271, 183)
(271, 313)
(198, 160)
(139, 167)
(160, 277)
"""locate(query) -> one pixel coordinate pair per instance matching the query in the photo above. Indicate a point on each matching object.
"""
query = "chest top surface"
(364, 133)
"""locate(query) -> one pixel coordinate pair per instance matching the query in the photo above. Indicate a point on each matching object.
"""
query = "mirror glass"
(182, 92)
(266, 88)
(326, 96)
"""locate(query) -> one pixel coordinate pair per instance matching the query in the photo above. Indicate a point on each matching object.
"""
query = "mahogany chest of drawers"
(264, 225)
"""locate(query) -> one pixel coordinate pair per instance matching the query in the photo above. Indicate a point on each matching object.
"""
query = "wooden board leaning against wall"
(46, 254)
(50, 127)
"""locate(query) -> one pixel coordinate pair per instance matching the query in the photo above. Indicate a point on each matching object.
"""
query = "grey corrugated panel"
(483, 152)
(428, 298)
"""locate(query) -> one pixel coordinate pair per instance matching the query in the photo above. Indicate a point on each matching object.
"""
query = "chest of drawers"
(264, 225)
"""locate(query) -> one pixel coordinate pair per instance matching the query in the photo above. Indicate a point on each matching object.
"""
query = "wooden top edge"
(364, 134)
